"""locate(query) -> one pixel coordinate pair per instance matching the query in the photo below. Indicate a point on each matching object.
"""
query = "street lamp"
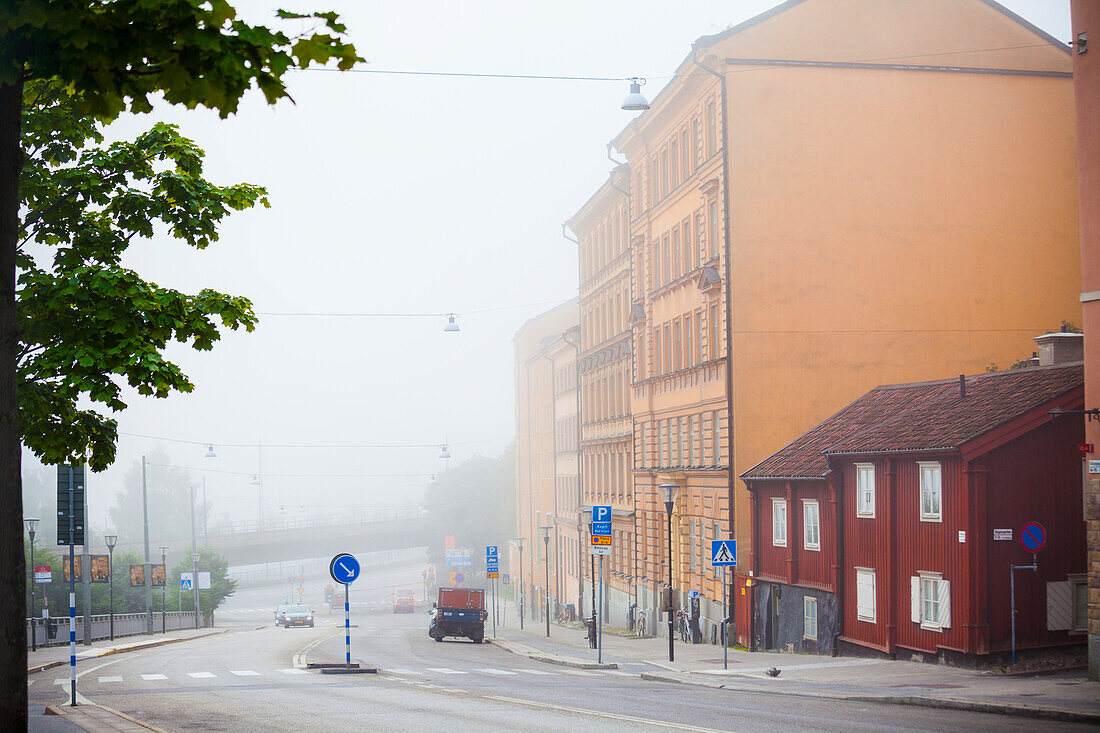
(545, 529)
(111, 540)
(670, 501)
(634, 101)
(443, 451)
(451, 326)
(164, 590)
(32, 526)
(518, 542)
(195, 584)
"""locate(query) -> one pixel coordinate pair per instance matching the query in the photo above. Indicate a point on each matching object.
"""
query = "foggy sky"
(409, 195)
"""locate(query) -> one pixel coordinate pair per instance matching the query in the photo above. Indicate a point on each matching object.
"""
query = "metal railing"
(126, 624)
(279, 523)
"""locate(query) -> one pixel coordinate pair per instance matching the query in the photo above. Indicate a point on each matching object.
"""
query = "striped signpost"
(344, 569)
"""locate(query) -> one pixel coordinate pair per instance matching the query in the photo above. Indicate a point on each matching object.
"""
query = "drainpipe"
(729, 287)
(553, 478)
(580, 421)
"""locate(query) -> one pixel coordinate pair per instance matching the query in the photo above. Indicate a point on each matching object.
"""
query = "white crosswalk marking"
(535, 671)
(201, 675)
(445, 670)
(494, 671)
(406, 671)
(579, 672)
(244, 673)
(619, 672)
(60, 681)
(293, 671)
(110, 678)
(152, 677)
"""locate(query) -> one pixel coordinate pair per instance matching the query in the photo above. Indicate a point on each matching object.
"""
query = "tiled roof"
(920, 416)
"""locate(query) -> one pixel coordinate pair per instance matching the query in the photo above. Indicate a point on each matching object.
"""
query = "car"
(403, 601)
(280, 613)
(294, 615)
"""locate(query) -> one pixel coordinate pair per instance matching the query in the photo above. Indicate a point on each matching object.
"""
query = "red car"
(403, 601)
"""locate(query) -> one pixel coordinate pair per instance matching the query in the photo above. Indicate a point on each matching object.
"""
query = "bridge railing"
(126, 624)
(280, 523)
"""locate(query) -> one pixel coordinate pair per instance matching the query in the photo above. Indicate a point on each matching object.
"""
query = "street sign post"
(601, 545)
(1033, 538)
(344, 569)
(70, 531)
(187, 581)
(492, 571)
(723, 554)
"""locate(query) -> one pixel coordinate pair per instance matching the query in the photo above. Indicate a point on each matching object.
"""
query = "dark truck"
(458, 612)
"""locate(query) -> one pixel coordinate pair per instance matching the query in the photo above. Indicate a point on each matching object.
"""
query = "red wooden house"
(890, 527)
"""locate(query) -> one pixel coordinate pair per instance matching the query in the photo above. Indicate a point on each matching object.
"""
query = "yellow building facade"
(833, 195)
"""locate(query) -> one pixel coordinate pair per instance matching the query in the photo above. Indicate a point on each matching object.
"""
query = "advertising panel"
(101, 569)
(137, 576)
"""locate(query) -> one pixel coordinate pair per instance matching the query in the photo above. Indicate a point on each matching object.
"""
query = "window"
(695, 139)
(654, 176)
(716, 437)
(712, 130)
(674, 164)
(930, 601)
(809, 616)
(657, 351)
(665, 358)
(686, 154)
(865, 594)
(779, 522)
(714, 332)
(638, 190)
(811, 525)
(664, 173)
(684, 442)
(865, 490)
(931, 492)
(677, 260)
(674, 440)
(660, 442)
(689, 351)
(700, 234)
(689, 251)
(691, 551)
(713, 228)
(677, 347)
(691, 441)
(1080, 603)
(666, 263)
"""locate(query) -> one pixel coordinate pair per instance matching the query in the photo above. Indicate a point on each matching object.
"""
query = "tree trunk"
(13, 590)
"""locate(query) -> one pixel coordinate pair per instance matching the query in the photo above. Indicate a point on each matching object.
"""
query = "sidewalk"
(92, 716)
(1062, 696)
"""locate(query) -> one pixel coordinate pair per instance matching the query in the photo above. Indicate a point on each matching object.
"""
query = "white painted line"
(489, 670)
(30, 682)
(618, 672)
(201, 675)
(245, 673)
(445, 670)
(293, 671)
(152, 677)
(535, 671)
(60, 681)
(110, 678)
(578, 672)
(406, 671)
(650, 722)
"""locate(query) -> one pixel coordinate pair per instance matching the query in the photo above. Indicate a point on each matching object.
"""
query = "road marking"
(60, 681)
(201, 675)
(535, 671)
(445, 670)
(598, 714)
(293, 670)
(406, 671)
(578, 672)
(245, 673)
(620, 673)
(110, 678)
(494, 671)
(30, 682)
(300, 657)
(153, 677)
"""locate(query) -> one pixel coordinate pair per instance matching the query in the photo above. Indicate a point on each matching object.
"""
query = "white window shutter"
(945, 604)
(914, 599)
(1060, 605)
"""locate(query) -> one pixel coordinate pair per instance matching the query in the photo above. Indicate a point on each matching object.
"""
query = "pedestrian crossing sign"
(185, 581)
(723, 553)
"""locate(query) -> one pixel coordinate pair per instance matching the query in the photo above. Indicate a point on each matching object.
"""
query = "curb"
(60, 711)
(522, 650)
(121, 650)
(941, 703)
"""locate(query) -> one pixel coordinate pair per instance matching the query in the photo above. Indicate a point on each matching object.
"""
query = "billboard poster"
(158, 575)
(79, 568)
(137, 576)
(204, 581)
(101, 569)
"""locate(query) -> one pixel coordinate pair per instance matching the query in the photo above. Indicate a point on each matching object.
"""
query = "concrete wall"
(788, 634)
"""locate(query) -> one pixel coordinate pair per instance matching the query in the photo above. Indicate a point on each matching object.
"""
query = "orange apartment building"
(832, 195)
(546, 462)
(602, 229)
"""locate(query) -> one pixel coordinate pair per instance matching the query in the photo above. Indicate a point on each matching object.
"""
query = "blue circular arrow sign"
(1033, 537)
(344, 568)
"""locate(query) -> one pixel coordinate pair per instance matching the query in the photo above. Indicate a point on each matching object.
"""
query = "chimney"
(962, 386)
(1060, 348)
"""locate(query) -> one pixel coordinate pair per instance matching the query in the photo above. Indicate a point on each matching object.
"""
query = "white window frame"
(809, 615)
(811, 533)
(1079, 581)
(931, 595)
(927, 469)
(865, 490)
(777, 505)
(860, 613)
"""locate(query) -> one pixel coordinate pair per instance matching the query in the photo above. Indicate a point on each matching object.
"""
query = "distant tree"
(475, 503)
(168, 494)
(221, 585)
(113, 55)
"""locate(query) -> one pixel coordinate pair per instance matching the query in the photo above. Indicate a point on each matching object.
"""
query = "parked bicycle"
(683, 625)
(641, 624)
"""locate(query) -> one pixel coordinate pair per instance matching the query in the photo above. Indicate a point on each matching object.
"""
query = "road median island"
(926, 701)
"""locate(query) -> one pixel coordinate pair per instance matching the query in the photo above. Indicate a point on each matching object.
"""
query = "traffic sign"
(601, 541)
(491, 551)
(492, 574)
(185, 581)
(459, 558)
(693, 594)
(457, 578)
(43, 574)
(73, 510)
(601, 528)
(601, 513)
(344, 568)
(1033, 537)
(723, 553)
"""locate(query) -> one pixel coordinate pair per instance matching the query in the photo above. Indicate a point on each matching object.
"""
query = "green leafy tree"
(221, 585)
(112, 55)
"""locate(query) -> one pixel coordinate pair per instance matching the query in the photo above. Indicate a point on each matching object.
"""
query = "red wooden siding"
(865, 546)
(794, 564)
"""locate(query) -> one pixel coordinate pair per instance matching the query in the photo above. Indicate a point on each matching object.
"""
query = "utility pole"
(148, 567)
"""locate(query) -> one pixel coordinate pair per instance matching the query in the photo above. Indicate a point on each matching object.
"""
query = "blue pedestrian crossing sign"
(344, 568)
(723, 553)
(185, 581)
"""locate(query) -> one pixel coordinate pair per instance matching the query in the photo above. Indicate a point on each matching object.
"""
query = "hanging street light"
(635, 101)
(451, 326)
(210, 451)
(443, 451)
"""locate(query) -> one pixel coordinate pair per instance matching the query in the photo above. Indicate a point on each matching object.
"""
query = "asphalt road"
(247, 680)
